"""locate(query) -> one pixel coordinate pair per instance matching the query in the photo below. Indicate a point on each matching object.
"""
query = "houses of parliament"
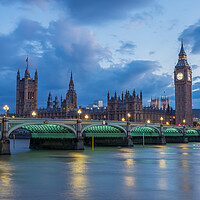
(118, 106)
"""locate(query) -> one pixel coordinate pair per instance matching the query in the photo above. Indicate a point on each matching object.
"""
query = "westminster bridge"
(74, 134)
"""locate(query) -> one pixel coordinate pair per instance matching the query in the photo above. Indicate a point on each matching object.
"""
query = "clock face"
(179, 76)
(189, 76)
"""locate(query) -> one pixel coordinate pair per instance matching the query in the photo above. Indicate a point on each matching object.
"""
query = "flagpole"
(27, 62)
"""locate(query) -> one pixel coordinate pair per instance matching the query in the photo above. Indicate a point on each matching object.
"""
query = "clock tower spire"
(183, 89)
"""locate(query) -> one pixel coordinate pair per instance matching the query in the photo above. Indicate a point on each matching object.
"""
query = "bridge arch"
(173, 132)
(147, 130)
(98, 130)
(56, 128)
(192, 132)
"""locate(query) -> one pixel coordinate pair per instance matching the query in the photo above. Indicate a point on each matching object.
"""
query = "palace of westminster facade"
(117, 106)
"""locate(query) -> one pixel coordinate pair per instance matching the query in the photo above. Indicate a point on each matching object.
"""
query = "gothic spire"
(71, 79)
(182, 53)
(71, 83)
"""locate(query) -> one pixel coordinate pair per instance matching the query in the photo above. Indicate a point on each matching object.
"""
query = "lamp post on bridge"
(161, 126)
(6, 108)
(34, 114)
(129, 138)
(123, 119)
(148, 122)
(129, 116)
(86, 117)
(184, 121)
(80, 139)
(4, 141)
(79, 113)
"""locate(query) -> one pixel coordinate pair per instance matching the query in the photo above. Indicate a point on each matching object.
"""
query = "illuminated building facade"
(26, 94)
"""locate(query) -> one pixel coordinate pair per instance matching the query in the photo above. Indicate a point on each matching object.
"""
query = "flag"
(27, 59)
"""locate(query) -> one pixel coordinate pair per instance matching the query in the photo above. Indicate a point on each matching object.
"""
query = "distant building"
(154, 103)
(98, 103)
(196, 115)
(119, 107)
(164, 102)
(66, 108)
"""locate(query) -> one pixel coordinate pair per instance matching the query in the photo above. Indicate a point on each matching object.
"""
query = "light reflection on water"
(79, 181)
(153, 172)
(6, 181)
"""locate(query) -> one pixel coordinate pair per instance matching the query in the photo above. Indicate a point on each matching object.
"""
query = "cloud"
(63, 47)
(40, 3)
(126, 48)
(91, 11)
(152, 52)
(139, 19)
(195, 67)
(191, 37)
(55, 51)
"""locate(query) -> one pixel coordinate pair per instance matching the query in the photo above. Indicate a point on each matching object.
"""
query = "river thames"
(152, 172)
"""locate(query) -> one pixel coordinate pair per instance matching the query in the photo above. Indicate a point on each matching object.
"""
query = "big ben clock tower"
(183, 89)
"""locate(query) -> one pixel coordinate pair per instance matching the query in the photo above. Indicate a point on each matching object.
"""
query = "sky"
(108, 45)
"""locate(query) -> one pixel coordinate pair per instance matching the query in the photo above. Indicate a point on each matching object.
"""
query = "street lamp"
(123, 119)
(148, 121)
(86, 117)
(79, 112)
(129, 115)
(6, 108)
(161, 119)
(167, 123)
(184, 122)
(34, 114)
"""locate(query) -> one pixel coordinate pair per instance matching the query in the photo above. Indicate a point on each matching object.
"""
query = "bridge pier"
(80, 139)
(4, 142)
(129, 138)
(185, 138)
(162, 139)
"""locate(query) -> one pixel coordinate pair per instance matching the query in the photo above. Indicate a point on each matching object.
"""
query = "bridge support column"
(129, 138)
(185, 138)
(4, 142)
(80, 139)
(162, 139)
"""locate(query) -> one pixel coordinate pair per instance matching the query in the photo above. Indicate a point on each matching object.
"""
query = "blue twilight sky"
(108, 45)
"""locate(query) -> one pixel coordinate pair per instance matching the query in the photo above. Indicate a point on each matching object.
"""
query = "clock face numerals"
(189, 76)
(179, 76)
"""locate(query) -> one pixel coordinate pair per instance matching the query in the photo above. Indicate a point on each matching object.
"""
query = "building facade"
(65, 109)
(26, 94)
(118, 106)
(183, 89)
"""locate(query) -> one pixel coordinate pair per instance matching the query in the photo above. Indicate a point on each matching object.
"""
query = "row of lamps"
(6, 108)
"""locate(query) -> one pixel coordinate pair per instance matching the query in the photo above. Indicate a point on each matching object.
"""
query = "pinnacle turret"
(182, 61)
(18, 74)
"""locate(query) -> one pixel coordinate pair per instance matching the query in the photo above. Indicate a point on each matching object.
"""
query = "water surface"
(153, 172)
